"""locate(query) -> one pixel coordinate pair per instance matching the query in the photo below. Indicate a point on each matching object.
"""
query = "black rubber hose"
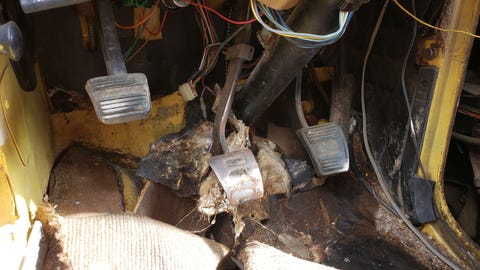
(282, 60)
(466, 139)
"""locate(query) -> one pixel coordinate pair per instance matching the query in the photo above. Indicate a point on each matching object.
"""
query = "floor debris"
(339, 224)
(179, 161)
(78, 172)
(276, 179)
(334, 222)
(161, 203)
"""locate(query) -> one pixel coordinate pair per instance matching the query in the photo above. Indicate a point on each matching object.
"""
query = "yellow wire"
(433, 26)
(257, 16)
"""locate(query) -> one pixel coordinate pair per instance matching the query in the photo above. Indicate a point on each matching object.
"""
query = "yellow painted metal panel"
(8, 212)
(133, 138)
(25, 159)
(452, 64)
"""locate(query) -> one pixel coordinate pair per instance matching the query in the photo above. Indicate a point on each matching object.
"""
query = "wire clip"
(243, 51)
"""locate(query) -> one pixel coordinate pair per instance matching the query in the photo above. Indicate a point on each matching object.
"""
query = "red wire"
(160, 27)
(219, 14)
(141, 21)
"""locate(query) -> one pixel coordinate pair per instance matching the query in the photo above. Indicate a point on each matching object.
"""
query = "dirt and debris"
(254, 209)
(161, 203)
(77, 173)
(240, 137)
(388, 226)
(179, 161)
(213, 200)
(393, 229)
(339, 224)
(336, 223)
(276, 179)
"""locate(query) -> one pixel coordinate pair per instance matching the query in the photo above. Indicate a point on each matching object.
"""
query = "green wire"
(127, 54)
(134, 44)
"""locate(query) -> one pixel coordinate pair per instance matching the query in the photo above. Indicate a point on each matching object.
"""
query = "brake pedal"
(327, 147)
(118, 97)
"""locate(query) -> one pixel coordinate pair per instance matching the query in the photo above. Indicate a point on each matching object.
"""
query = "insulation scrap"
(238, 139)
(179, 161)
(212, 197)
(276, 179)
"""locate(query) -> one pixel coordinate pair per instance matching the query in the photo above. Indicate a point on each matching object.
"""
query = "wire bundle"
(204, 20)
(142, 26)
(304, 40)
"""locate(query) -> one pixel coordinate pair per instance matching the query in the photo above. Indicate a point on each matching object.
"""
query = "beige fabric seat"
(106, 241)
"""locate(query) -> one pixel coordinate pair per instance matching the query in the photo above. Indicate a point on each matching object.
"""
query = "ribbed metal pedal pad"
(239, 175)
(327, 148)
(120, 98)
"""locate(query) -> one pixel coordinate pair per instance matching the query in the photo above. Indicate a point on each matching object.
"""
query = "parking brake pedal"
(118, 97)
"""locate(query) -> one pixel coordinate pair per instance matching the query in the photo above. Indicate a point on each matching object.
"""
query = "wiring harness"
(304, 40)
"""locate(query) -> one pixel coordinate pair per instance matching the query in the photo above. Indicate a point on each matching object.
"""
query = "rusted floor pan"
(339, 224)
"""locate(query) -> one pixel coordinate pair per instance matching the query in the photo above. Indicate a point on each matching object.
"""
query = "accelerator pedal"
(327, 147)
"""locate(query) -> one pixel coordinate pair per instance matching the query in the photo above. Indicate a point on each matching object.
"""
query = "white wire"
(388, 196)
(298, 101)
(342, 21)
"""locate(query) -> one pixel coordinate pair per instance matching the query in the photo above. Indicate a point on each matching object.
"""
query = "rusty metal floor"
(339, 224)
(82, 181)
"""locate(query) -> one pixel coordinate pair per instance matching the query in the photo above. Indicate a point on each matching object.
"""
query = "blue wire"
(308, 44)
(276, 18)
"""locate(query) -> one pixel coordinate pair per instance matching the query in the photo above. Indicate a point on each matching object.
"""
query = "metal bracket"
(242, 51)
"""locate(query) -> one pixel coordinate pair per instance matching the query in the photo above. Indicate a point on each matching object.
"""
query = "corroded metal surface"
(341, 225)
(83, 182)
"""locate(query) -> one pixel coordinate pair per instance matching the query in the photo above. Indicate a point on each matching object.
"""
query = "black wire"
(212, 64)
(410, 119)
(405, 93)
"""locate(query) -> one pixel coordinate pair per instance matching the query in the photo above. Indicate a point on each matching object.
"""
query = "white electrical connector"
(187, 91)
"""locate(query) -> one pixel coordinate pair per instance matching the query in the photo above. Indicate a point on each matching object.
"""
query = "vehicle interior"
(239, 134)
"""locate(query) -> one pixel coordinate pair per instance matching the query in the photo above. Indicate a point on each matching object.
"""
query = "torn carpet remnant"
(124, 241)
(179, 161)
(255, 256)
